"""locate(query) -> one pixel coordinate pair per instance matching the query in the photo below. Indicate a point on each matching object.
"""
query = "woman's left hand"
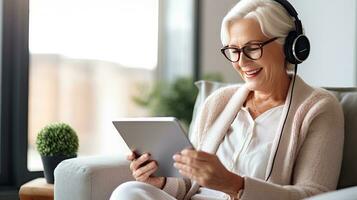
(208, 171)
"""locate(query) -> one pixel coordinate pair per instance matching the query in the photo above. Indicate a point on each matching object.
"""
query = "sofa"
(95, 177)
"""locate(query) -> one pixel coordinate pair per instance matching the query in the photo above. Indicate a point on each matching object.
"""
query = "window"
(87, 59)
(63, 76)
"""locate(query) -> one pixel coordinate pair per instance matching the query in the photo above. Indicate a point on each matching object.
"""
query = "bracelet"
(163, 185)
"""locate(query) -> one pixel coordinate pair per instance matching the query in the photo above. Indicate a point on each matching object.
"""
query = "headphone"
(296, 49)
(297, 45)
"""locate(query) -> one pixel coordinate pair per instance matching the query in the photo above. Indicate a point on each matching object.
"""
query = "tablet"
(162, 137)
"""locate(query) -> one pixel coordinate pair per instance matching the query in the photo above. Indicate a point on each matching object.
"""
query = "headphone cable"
(282, 129)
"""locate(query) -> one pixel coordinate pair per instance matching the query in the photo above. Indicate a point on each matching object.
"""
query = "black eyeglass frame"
(240, 50)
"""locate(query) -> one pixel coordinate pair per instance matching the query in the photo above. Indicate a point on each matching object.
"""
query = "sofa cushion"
(348, 100)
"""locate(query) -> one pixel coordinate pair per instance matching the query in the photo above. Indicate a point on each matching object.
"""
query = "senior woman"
(275, 137)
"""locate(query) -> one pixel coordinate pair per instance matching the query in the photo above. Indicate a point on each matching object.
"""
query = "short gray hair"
(274, 20)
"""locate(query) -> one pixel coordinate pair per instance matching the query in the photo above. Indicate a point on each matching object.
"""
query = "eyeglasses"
(253, 50)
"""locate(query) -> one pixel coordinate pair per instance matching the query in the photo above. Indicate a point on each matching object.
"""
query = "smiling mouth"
(252, 73)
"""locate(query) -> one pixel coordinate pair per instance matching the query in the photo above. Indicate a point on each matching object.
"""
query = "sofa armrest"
(90, 178)
(342, 194)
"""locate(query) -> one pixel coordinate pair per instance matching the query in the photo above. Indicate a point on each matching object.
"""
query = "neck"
(275, 92)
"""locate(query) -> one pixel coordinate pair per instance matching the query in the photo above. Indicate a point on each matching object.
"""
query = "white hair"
(274, 20)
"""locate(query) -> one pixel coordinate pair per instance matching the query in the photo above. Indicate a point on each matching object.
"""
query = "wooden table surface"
(37, 189)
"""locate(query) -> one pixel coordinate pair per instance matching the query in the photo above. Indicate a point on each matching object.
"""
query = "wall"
(330, 26)
(211, 59)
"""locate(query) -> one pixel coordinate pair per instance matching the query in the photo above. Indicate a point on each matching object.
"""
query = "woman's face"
(262, 74)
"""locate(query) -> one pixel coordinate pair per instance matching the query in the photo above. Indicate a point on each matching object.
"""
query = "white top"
(246, 147)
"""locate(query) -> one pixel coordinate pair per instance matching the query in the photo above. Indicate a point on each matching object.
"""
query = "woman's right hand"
(142, 169)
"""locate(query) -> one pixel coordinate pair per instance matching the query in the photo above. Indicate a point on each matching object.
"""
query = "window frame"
(14, 98)
(197, 72)
(3, 137)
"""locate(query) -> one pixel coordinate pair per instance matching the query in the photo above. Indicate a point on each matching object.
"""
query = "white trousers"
(135, 190)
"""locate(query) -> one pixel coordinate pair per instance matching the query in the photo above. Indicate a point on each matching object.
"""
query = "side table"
(37, 189)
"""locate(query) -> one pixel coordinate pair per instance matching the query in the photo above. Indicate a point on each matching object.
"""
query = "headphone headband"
(288, 7)
(292, 12)
(297, 45)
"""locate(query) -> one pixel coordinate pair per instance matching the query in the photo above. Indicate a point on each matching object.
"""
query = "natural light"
(86, 59)
(114, 28)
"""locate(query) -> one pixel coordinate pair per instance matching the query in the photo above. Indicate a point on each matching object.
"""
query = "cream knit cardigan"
(309, 156)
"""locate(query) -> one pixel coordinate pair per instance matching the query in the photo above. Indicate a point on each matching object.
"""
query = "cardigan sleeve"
(177, 187)
(317, 165)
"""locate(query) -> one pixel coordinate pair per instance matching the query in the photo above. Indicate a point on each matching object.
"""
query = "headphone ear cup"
(296, 47)
(288, 47)
(301, 48)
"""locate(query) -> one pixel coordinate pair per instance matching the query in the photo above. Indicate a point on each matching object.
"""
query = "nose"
(237, 65)
(243, 59)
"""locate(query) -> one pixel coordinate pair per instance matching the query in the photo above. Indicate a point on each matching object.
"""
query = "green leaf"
(57, 139)
(175, 98)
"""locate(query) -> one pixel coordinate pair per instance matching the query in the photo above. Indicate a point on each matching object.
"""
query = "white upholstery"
(90, 178)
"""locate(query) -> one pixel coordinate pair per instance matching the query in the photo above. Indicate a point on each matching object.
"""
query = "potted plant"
(55, 143)
(175, 98)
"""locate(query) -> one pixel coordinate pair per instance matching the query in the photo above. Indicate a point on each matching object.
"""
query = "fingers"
(135, 164)
(189, 161)
(187, 171)
(142, 167)
(131, 156)
(150, 167)
(185, 168)
(187, 174)
(145, 172)
(197, 155)
(192, 164)
(193, 158)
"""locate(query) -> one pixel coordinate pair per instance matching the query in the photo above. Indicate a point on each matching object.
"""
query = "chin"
(252, 85)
